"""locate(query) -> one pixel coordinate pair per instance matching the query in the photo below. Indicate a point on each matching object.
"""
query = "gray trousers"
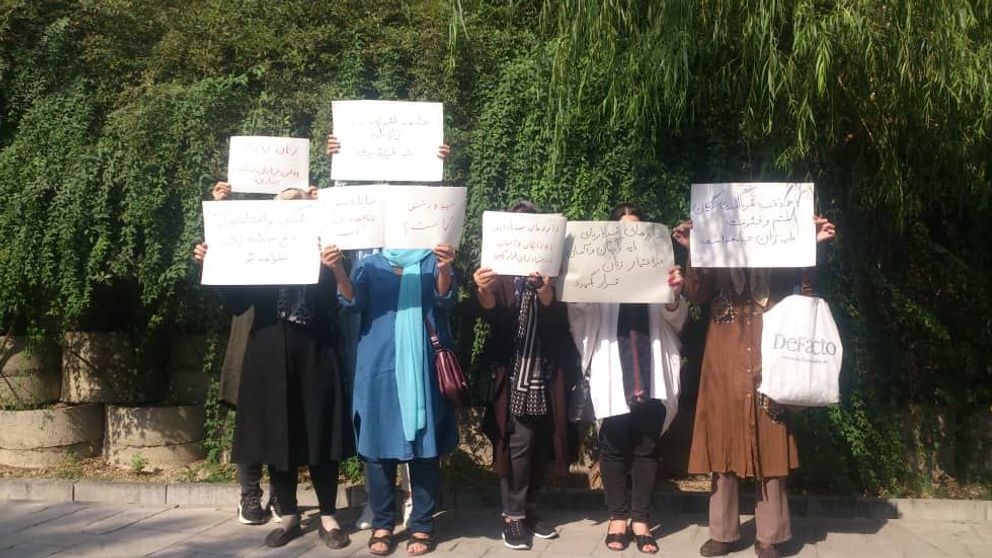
(530, 454)
(771, 510)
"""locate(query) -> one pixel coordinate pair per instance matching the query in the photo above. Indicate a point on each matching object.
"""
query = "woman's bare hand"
(222, 191)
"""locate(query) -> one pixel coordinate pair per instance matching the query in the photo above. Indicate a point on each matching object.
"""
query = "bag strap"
(432, 334)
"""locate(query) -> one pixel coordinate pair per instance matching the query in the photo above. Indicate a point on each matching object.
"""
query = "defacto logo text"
(805, 345)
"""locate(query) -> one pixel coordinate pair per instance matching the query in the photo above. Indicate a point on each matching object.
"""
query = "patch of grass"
(68, 467)
(138, 462)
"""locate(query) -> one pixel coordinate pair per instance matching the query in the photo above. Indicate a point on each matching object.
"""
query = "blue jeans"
(425, 475)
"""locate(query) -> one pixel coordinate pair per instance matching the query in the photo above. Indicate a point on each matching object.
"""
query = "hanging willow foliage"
(896, 79)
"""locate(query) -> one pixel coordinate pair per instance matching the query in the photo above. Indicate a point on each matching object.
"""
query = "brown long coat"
(495, 367)
(732, 434)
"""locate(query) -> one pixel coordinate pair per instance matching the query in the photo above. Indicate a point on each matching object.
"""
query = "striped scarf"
(528, 396)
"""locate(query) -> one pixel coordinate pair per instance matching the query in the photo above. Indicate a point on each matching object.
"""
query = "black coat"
(292, 407)
(234, 357)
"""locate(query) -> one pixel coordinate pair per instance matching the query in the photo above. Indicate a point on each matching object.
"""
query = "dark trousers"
(325, 484)
(425, 476)
(530, 448)
(250, 478)
(628, 460)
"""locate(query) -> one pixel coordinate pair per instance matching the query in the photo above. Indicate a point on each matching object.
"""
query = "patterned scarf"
(529, 392)
(634, 346)
(293, 305)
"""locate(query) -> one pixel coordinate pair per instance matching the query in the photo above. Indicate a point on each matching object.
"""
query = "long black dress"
(292, 409)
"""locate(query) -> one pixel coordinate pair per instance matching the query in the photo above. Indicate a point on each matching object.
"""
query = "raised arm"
(353, 291)
(697, 283)
(333, 259)
(445, 272)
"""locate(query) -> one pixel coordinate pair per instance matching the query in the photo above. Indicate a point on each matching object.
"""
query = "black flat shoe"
(712, 548)
(280, 537)
(622, 538)
(335, 538)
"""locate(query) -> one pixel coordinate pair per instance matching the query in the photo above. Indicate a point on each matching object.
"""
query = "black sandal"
(622, 538)
(428, 542)
(644, 540)
(386, 540)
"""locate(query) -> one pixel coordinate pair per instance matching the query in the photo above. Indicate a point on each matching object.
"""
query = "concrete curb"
(221, 495)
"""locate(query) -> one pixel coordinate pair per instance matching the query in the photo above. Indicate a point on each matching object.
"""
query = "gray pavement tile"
(582, 544)
(984, 531)
(472, 549)
(184, 520)
(38, 516)
(128, 516)
(295, 548)
(128, 542)
(180, 551)
(20, 508)
(551, 554)
(320, 550)
(67, 530)
(30, 550)
(445, 545)
(253, 541)
(504, 552)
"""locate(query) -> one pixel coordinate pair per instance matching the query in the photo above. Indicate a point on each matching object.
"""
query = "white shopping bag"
(801, 353)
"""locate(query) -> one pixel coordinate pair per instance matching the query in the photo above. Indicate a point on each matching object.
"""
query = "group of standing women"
(296, 408)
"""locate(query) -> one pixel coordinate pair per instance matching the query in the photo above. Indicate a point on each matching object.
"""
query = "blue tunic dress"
(375, 401)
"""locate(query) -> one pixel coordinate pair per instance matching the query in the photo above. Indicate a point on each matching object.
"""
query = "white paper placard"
(268, 165)
(756, 224)
(423, 216)
(614, 261)
(388, 140)
(522, 243)
(267, 242)
(351, 217)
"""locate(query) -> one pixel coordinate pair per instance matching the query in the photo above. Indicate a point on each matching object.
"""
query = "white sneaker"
(364, 520)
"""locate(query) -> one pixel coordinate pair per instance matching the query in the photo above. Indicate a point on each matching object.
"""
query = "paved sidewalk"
(34, 529)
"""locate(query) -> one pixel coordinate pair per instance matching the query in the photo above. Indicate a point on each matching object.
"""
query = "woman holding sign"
(737, 432)
(527, 363)
(398, 412)
(631, 350)
(291, 402)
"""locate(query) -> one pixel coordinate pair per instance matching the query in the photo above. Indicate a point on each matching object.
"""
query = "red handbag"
(450, 378)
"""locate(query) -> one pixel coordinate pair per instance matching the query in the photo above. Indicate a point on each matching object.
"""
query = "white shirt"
(594, 329)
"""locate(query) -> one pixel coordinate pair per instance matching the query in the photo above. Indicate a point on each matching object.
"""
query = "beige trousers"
(771, 510)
